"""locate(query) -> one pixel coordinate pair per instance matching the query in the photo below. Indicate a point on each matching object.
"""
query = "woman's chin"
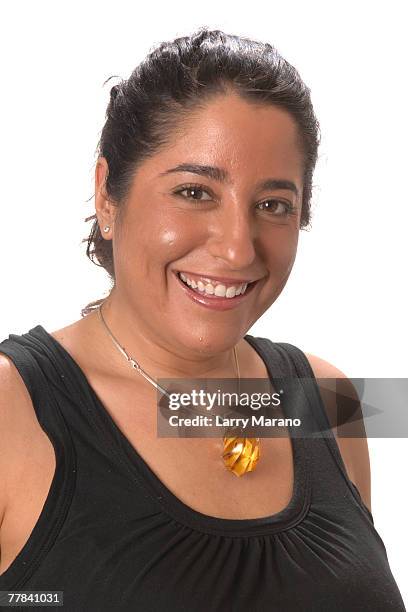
(210, 342)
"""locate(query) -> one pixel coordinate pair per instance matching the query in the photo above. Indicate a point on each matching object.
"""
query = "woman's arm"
(354, 451)
(27, 463)
(6, 393)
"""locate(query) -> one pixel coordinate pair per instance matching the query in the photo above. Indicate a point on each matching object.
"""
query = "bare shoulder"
(354, 450)
(22, 440)
(11, 394)
(15, 403)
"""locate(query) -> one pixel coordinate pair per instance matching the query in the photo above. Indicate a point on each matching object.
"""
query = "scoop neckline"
(169, 503)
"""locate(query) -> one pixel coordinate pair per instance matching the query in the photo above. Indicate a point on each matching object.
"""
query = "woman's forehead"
(235, 136)
(230, 121)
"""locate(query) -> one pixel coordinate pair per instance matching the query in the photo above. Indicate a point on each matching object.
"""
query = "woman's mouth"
(215, 294)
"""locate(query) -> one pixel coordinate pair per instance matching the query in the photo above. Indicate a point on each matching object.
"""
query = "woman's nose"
(232, 238)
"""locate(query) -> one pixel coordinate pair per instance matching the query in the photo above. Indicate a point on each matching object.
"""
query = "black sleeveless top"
(113, 537)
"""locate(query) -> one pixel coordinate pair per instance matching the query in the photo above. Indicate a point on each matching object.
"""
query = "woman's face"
(211, 223)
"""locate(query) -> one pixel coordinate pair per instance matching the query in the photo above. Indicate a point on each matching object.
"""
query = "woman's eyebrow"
(217, 174)
(221, 175)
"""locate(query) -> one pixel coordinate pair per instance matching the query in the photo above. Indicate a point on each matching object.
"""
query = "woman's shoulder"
(18, 421)
(14, 396)
(354, 450)
(27, 462)
(21, 436)
(324, 368)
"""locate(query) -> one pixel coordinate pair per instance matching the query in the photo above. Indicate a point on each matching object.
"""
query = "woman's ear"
(104, 207)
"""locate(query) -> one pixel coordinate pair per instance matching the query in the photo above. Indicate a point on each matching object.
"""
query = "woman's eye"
(278, 208)
(194, 192)
(272, 205)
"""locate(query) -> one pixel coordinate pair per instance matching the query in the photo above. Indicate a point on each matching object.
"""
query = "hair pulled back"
(145, 110)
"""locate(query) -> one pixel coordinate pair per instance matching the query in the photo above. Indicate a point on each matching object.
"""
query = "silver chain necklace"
(134, 364)
(240, 454)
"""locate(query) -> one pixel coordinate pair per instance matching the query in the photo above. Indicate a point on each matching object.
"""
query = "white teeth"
(219, 290)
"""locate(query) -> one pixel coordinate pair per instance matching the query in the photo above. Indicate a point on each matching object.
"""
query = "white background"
(345, 300)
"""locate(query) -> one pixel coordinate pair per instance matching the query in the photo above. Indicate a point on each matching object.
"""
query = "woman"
(203, 181)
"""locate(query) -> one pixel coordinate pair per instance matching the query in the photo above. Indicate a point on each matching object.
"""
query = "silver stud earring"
(106, 228)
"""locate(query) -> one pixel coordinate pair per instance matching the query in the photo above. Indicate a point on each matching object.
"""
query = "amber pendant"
(241, 454)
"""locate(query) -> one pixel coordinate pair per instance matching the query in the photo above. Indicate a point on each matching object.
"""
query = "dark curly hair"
(177, 77)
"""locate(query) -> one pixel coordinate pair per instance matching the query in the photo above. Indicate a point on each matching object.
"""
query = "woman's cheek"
(168, 238)
(179, 237)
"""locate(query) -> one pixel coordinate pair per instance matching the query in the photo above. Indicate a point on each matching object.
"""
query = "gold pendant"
(241, 454)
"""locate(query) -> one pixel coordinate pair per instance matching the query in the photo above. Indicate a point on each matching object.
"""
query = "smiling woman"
(213, 229)
(202, 184)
